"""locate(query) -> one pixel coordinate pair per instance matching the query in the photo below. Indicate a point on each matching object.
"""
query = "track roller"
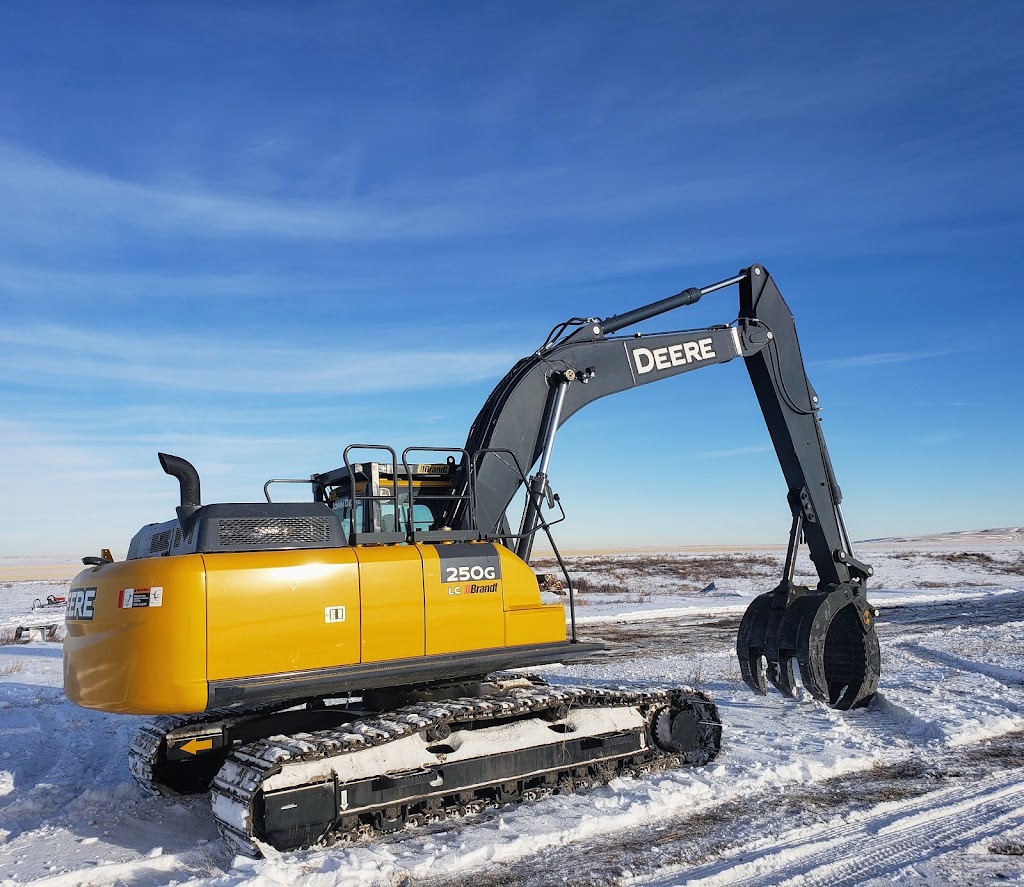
(831, 634)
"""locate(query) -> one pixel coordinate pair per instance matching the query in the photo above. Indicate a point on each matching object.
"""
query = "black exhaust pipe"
(188, 479)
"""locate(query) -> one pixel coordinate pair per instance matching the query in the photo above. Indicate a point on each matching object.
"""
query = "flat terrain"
(41, 568)
(925, 786)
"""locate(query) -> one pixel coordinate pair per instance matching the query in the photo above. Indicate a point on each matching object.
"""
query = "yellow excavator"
(351, 665)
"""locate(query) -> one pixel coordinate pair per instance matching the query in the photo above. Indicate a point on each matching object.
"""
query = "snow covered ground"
(926, 786)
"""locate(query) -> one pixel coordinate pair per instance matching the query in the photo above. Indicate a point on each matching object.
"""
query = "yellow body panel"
(463, 612)
(544, 624)
(391, 593)
(222, 617)
(527, 620)
(139, 660)
(521, 589)
(269, 611)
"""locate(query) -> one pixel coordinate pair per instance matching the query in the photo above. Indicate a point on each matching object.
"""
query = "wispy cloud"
(938, 438)
(37, 282)
(735, 451)
(92, 482)
(109, 487)
(36, 188)
(50, 200)
(73, 358)
(883, 358)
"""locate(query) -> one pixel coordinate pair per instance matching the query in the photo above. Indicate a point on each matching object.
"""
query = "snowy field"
(925, 786)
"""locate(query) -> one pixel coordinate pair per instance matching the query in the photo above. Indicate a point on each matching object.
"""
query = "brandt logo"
(646, 360)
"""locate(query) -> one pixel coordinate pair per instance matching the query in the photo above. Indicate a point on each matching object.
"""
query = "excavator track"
(148, 752)
(429, 761)
(143, 754)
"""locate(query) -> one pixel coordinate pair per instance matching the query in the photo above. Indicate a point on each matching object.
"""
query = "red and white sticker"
(141, 597)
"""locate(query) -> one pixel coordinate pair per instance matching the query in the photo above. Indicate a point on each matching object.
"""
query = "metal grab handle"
(284, 480)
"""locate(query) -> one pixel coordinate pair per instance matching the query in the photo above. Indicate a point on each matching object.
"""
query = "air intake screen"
(279, 532)
(159, 542)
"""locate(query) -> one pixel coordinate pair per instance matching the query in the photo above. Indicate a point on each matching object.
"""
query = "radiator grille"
(159, 542)
(278, 532)
(177, 536)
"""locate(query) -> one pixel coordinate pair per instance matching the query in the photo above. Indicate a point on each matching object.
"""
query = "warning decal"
(141, 597)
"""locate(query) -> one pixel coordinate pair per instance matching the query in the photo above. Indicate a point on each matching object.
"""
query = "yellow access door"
(391, 601)
(281, 611)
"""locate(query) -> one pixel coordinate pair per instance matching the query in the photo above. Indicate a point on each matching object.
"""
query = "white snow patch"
(952, 631)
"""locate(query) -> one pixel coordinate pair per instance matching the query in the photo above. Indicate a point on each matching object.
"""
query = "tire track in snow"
(890, 838)
(1006, 676)
(717, 840)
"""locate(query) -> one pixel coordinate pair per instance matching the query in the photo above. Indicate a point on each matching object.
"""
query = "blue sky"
(249, 234)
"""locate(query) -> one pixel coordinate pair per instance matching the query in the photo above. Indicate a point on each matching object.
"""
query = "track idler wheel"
(831, 634)
(690, 727)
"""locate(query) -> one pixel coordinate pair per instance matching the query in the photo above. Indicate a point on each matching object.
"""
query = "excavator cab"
(375, 497)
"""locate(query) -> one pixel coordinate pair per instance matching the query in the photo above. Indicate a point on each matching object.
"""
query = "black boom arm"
(589, 363)
(829, 631)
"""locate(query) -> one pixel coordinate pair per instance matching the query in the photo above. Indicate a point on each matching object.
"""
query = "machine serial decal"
(469, 568)
(334, 614)
(141, 597)
(680, 354)
(466, 572)
(80, 603)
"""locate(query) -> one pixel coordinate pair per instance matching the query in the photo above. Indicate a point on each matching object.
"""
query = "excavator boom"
(829, 632)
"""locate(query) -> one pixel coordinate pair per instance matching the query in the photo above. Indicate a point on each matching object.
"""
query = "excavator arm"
(828, 630)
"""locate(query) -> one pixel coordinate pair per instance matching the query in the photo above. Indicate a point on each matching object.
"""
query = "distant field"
(11, 570)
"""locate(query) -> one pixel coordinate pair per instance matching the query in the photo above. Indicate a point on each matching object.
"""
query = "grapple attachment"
(831, 634)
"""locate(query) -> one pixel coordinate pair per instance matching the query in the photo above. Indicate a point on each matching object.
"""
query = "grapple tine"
(812, 675)
(752, 669)
(750, 643)
(780, 673)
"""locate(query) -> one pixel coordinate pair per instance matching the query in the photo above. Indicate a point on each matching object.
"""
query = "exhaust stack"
(188, 479)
